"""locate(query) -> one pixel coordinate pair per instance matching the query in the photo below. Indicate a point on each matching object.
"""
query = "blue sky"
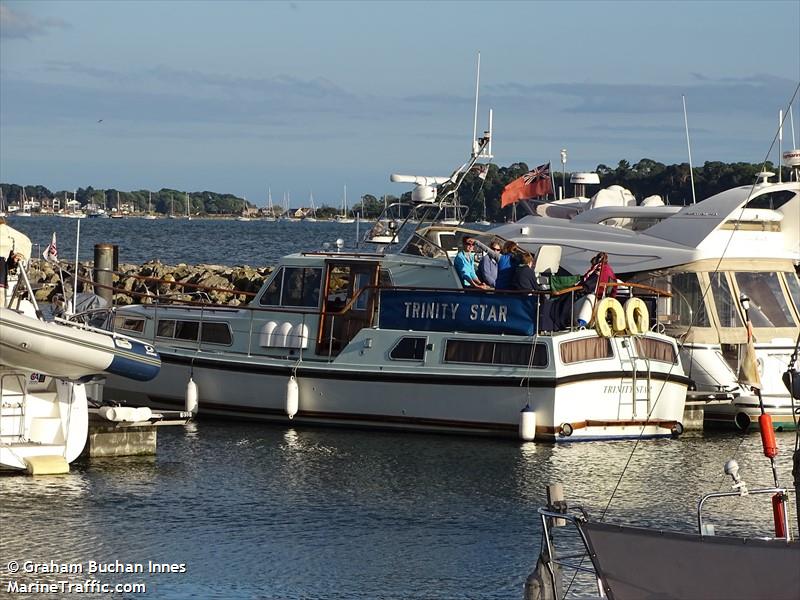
(300, 96)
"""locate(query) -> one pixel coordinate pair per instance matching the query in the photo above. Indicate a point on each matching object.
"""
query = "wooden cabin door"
(348, 304)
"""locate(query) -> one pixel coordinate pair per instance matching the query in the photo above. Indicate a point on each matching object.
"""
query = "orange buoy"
(779, 515)
(768, 436)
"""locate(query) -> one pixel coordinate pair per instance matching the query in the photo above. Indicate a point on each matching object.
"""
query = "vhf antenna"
(486, 151)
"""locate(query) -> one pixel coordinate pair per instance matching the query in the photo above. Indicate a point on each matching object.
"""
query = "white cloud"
(17, 24)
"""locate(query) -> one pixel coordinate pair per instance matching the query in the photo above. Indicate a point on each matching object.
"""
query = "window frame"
(424, 340)
(535, 347)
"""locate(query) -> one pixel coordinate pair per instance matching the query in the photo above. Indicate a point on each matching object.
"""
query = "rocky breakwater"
(143, 284)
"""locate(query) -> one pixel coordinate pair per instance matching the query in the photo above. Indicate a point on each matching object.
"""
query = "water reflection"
(266, 511)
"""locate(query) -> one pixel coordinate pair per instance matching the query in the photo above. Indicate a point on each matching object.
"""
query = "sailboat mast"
(269, 202)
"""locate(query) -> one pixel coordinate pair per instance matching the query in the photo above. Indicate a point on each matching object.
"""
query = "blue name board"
(470, 311)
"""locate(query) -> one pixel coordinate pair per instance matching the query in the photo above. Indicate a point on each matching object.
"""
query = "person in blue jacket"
(464, 264)
(506, 266)
(487, 267)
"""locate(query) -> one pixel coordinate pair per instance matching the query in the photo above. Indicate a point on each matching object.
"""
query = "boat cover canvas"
(646, 563)
(11, 239)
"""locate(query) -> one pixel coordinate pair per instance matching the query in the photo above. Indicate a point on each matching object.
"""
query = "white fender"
(191, 397)
(143, 413)
(298, 337)
(605, 307)
(292, 397)
(527, 424)
(636, 316)
(280, 337)
(585, 311)
(267, 331)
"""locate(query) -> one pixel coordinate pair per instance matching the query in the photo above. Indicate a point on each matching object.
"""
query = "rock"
(132, 286)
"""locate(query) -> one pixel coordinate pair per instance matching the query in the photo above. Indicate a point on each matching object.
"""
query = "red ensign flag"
(535, 182)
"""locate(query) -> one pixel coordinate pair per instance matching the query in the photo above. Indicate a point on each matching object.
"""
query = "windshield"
(727, 307)
(768, 305)
(794, 288)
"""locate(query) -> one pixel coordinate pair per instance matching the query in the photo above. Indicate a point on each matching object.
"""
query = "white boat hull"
(406, 399)
(40, 417)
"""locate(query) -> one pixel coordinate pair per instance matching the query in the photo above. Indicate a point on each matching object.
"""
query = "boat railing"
(741, 490)
(308, 314)
(556, 516)
(17, 408)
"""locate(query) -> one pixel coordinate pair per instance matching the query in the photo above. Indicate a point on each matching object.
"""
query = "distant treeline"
(644, 178)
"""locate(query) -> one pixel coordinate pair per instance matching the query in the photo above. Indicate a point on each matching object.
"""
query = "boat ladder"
(640, 373)
(13, 399)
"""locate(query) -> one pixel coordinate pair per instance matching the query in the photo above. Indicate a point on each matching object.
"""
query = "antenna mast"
(475, 114)
(780, 145)
(689, 147)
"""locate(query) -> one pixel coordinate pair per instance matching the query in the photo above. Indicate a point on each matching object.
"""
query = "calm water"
(264, 511)
(260, 511)
(225, 242)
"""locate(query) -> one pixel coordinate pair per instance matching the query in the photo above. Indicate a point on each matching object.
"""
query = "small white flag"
(50, 253)
(482, 171)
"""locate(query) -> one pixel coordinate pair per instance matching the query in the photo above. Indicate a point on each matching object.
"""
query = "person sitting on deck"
(600, 273)
(464, 263)
(525, 277)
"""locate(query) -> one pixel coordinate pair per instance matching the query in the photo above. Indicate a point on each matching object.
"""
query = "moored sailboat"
(344, 217)
(149, 216)
(270, 216)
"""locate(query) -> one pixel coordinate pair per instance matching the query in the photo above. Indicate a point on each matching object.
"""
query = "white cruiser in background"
(743, 242)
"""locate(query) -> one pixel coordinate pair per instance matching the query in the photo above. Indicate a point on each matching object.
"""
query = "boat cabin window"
(212, 332)
(166, 328)
(634, 224)
(496, 353)
(124, 323)
(293, 286)
(593, 348)
(656, 350)
(794, 288)
(419, 246)
(771, 200)
(216, 333)
(409, 348)
(688, 304)
(727, 306)
(768, 307)
(179, 330)
(449, 243)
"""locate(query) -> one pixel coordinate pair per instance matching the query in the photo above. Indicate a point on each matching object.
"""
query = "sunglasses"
(496, 248)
